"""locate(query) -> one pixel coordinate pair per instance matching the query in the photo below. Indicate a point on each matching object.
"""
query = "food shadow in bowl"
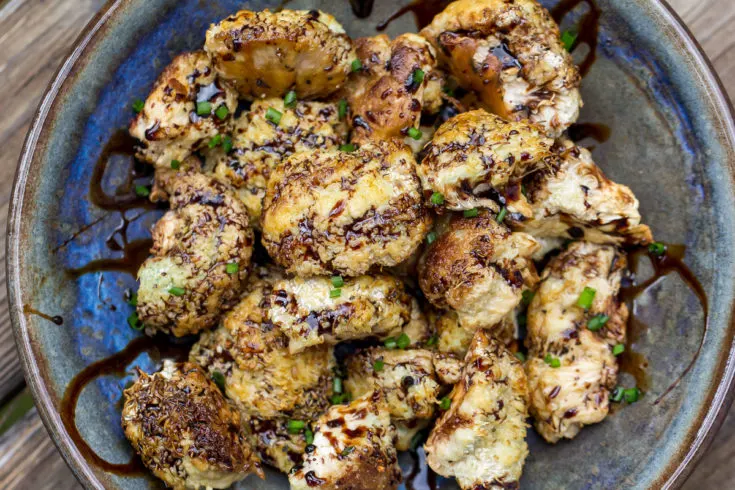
(653, 114)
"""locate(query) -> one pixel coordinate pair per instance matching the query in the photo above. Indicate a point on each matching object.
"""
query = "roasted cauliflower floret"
(571, 368)
(386, 96)
(259, 144)
(478, 269)
(313, 312)
(200, 258)
(344, 212)
(453, 338)
(274, 443)
(406, 377)
(511, 54)
(185, 431)
(187, 107)
(573, 199)
(261, 376)
(477, 159)
(480, 440)
(266, 54)
(353, 448)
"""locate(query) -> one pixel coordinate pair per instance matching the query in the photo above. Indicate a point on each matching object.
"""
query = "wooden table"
(35, 36)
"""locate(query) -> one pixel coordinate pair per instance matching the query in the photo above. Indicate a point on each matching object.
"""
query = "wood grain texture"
(35, 35)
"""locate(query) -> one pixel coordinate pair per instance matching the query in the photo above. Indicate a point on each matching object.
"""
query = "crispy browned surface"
(184, 429)
(265, 53)
(206, 229)
(344, 212)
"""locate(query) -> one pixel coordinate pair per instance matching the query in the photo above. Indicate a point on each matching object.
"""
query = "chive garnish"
(431, 237)
(337, 281)
(215, 141)
(378, 365)
(138, 106)
(177, 291)
(631, 395)
(568, 38)
(527, 297)
(135, 322)
(501, 214)
(296, 426)
(142, 191)
(414, 133)
(552, 361)
(403, 341)
(232, 268)
(273, 115)
(219, 380)
(335, 293)
(437, 198)
(204, 108)
(618, 349)
(433, 340)
(356, 65)
(222, 112)
(342, 108)
(390, 343)
(418, 76)
(348, 450)
(349, 147)
(308, 436)
(470, 213)
(597, 322)
(290, 99)
(445, 403)
(586, 298)
(521, 357)
(657, 248)
(175, 164)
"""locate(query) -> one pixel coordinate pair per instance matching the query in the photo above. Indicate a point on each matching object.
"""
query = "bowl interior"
(73, 251)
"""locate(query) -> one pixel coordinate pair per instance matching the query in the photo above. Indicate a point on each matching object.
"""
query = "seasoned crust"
(261, 376)
(479, 269)
(385, 100)
(480, 440)
(185, 431)
(184, 285)
(274, 443)
(477, 159)
(266, 54)
(510, 52)
(259, 145)
(353, 448)
(169, 127)
(576, 393)
(453, 338)
(344, 212)
(367, 306)
(572, 199)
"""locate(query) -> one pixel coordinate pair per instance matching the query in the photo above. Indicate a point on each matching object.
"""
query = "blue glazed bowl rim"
(46, 401)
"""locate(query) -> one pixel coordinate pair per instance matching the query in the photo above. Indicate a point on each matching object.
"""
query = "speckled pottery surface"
(671, 141)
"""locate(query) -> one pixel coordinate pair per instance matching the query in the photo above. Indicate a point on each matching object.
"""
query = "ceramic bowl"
(671, 140)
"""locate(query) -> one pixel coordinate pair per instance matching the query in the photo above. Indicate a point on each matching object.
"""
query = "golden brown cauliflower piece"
(386, 96)
(573, 199)
(453, 338)
(183, 111)
(344, 212)
(266, 54)
(274, 443)
(309, 313)
(260, 144)
(570, 367)
(185, 431)
(480, 440)
(479, 269)
(261, 376)
(477, 159)
(200, 258)
(353, 448)
(510, 52)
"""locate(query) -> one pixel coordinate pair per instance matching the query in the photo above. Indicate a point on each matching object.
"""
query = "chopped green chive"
(219, 380)
(414, 133)
(445, 403)
(631, 395)
(349, 147)
(470, 213)
(552, 361)
(138, 106)
(356, 65)
(309, 436)
(617, 394)
(448, 90)
(222, 112)
(335, 293)
(175, 164)
(142, 191)
(378, 365)
(586, 298)
(418, 76)
(403, 341)
(437, 198)
(133, 300)
(337, 385)
(597, 322)
(524, 191)
(204, 108)
(337, 281)
(296, 426)
(527, 297)
(227, 143)
(618, 349)
(176, 291)
(232, 268)
(338, 399)
(568, 38)
(390, 343)
(501, 214)
(290, 99)
(348, 450)
(417, 440)
(135, 322)
(431, 237)
(342, 108)
(216, 141)
(433, 340)
(657, 248)
(273, 115)
(521, 357)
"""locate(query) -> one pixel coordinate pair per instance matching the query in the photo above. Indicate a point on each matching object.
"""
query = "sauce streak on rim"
(57, 319)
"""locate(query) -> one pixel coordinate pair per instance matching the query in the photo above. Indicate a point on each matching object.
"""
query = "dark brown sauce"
(54, 319)
(419, 476)
(158, 348)
(598, 132)
(587, 30)
(423, 12)
(134, 254)
(672, 261)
